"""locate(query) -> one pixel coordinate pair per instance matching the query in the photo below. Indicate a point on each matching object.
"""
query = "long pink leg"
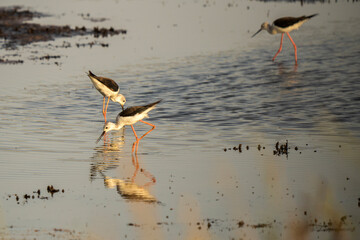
(137, 139)
(153, 127)
(136, 143)
(107, 104)
(105, 109)
(295, 48)
(146, 173)
(281, 41)
(148, 123)
(134, 133)
(104, 114)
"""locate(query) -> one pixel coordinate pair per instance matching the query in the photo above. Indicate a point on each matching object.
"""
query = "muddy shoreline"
(16, 32)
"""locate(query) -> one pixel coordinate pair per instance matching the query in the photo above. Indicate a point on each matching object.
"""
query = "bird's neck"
(118, 126)
(270, 29)
(113, 97)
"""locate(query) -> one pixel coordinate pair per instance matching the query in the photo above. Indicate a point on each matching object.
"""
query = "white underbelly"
(106, 92)
(132, 120)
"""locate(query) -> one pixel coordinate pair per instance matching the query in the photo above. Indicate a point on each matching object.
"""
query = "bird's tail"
(90, 74)
(153, 104)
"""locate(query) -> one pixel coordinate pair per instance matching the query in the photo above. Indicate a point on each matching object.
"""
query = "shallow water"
(219, 89)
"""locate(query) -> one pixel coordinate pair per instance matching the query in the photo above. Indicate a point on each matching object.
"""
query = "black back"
(111, 84)
(289, 21)
(132, 111)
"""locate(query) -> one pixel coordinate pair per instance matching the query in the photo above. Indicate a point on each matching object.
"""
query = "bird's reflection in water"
(129, 189)
(108, 155)
(108, 158)
(284, 70)
(289, 76)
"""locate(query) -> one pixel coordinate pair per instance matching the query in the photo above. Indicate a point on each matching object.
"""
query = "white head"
(108, 127)
(264, 26)
(120, 99)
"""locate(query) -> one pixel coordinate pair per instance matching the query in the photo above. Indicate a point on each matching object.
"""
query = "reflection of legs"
(105, 138)
(146, 173)
(295, 49)
(136, 164)
(281, 41)
(137, 139)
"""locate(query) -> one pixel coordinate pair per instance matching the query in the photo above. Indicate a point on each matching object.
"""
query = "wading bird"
(108, 88)
(284, 25)
(130, 116)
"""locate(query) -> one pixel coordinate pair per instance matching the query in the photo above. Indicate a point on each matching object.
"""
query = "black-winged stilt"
(108, 88)
(284, 25)
(130, 116)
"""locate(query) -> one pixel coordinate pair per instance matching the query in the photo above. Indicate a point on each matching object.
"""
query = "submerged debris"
(281, 149)
(336, 225)
(104, 32)
(133, 224)
(52, 190)
(91, 44)
(261, 225)
(7, 61)
(26, 197)
(92, 19)
(48, 57)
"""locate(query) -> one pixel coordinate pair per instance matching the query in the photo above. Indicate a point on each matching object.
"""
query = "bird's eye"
(106, 127)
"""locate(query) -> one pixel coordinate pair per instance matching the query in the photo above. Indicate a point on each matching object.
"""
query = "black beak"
(122, 106)
(100, 136)
(256, 32)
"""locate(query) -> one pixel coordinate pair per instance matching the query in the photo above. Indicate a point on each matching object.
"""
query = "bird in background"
(108, 88)
(285, 25)
(130, 116)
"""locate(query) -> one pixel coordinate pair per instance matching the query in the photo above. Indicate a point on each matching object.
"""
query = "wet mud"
(15, 32)
(8, 61)
(344, 224)
(39, 233)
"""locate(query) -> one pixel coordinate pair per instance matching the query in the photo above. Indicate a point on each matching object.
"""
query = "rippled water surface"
(219, 89)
